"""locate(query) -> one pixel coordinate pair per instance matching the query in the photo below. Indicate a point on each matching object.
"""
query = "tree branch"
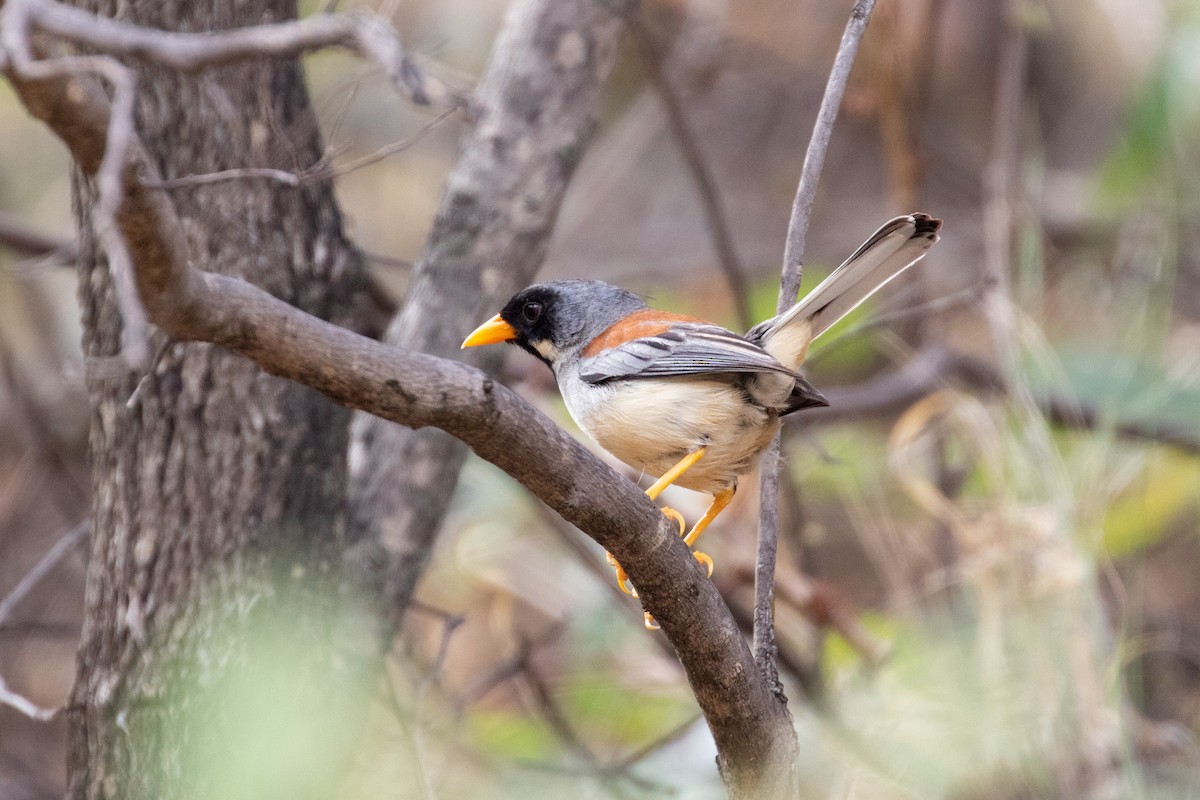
(750, 727)
(31, 579)
(369, 36)
(789, 287)
(21, 19)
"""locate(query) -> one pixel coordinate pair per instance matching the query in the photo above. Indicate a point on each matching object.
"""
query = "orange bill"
(490, 332)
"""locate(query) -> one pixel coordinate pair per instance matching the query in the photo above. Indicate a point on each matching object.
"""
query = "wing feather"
(682, 349)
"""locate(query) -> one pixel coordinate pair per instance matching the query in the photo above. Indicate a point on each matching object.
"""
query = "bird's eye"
(531, 311)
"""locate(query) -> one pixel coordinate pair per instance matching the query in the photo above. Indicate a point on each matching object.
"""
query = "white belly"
(652, 424)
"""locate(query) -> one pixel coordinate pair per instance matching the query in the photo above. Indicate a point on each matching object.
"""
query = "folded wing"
(682, 349)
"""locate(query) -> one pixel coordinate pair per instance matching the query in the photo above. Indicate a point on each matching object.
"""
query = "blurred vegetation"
(1031, 579)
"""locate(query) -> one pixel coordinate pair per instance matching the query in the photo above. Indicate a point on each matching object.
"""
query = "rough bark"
(218, 476)
(538, 104)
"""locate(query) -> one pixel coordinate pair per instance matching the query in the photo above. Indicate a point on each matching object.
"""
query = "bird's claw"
(622, 576)
(675, 517)
(704, 559)
(650, 622)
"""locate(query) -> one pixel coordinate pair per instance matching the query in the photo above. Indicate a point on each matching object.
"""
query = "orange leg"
(669, 477)
(720, 500)
(673, 474)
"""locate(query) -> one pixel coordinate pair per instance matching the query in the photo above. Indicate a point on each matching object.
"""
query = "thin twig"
(39, 571)
(556, 718)
(814, 158)
(706, 185)
(23, 704)
(32, 578)
(1000, 185)
(17, 19)
(1071, 412)
(314, 174)
(367, 35)
(793, 265)
(512, 667)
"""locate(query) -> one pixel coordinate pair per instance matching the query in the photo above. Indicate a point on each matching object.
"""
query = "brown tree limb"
(750, 727)
(793, 266)
(20, 20)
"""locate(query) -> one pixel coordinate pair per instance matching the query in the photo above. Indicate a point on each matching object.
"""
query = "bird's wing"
(682, 349)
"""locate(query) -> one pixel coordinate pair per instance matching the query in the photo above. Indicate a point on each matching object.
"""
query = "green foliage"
(1164, 121)
(272, 711)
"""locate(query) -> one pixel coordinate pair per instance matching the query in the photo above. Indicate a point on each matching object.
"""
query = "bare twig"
(512, 667)
(365, 34)
(814, 157)
(450, 623)
(31, 579)
(668, 738)
(23, 704)
(315, 174)
(1074, 413)
(706, 186)
(929, 370)
(39, 571)
(1000, 185)
(556, 718)
(793, 264)
(18, 19)
(550, 709)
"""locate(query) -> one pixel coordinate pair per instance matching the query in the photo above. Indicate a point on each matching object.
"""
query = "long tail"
(893, 248)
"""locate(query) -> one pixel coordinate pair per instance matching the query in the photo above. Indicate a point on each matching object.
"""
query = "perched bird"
(683, 399)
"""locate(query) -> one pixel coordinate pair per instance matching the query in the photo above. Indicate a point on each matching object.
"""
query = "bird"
(679, 398)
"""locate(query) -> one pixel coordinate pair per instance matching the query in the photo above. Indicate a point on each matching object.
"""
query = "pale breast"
(652, 424)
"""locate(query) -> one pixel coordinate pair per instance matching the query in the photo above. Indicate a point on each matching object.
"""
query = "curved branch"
(750, 726)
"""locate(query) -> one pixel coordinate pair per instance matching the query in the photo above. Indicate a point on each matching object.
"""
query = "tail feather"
(893, 248)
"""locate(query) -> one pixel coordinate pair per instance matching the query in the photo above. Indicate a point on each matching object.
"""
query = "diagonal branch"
(20, 20)
(749, 725)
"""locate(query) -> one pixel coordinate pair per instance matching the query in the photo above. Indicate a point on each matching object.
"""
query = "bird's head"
(554, 319)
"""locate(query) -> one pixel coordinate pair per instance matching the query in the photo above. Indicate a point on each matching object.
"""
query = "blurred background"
(990, 576)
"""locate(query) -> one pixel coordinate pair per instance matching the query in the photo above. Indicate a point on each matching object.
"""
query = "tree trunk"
(219, 490)
(539, 103)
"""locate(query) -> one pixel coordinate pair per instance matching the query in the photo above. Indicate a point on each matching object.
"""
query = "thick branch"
(413, 389)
